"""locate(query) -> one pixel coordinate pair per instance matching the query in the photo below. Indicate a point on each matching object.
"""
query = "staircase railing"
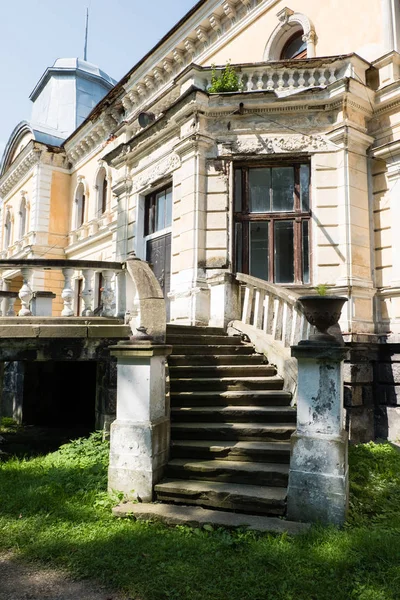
(273, 321)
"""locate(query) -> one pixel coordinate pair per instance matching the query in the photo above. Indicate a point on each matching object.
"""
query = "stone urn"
(322, 312)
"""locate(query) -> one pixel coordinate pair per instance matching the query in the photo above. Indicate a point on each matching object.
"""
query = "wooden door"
(158, 255)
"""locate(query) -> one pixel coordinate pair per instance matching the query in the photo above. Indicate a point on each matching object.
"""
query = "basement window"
(272, 222)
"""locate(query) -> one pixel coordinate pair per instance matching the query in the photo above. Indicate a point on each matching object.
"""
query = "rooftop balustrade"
(284, 77)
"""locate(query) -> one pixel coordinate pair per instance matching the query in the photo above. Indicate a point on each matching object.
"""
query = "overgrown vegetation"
(55, 509)
(225, 80)
(8, 425)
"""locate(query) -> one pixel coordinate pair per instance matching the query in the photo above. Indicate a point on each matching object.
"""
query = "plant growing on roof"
(226, 80)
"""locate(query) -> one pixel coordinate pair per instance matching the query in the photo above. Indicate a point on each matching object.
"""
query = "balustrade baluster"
(265, 315)
(11, 303)
(294, 334)
(311, 78)
(25, 293)
(301, 81)
(258, 308)
(285, 323)
(270, 80)
(332, 77)
(250, 82)
(248, 304)
(322, 78)
(291, 79)
(281, 81)
(87, 294)
(107, 295)
(68, 293)
(275, 323)
(260, 83)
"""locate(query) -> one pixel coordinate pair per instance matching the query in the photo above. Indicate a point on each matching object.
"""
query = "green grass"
(55, 509)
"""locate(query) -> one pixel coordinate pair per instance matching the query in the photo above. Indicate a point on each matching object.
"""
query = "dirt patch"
(29, 581)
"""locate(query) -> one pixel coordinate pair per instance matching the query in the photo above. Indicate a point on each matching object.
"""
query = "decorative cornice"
(17, 171)
(152, 174)
(262, 145)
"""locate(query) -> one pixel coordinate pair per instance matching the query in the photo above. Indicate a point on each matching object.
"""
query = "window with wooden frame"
(158, 211)
(272, 222)
(295, 48)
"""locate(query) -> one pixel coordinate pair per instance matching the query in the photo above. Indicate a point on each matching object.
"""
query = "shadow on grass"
(59, 514)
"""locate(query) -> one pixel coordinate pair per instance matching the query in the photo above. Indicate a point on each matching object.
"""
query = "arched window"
(8, 227)
(22, 218)
(80, 201)
(293, 38)
(295, 47)
(102, 192)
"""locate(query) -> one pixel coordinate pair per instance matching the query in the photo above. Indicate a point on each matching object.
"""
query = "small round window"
(295, 47)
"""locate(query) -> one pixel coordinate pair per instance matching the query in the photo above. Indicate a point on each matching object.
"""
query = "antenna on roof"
(86, 34)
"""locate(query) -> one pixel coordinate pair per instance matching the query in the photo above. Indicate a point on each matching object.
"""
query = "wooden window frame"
(150, 211)
(298, 216)
(299, 55)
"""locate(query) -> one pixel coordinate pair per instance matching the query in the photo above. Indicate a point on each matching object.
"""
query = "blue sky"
(34, 33)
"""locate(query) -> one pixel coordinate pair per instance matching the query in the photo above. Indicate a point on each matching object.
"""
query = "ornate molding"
(164, 167)
(18, 170)
(275, 145)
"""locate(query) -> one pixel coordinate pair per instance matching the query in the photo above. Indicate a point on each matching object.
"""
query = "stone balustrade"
(283, 77)
(273, 310)
(70, 269)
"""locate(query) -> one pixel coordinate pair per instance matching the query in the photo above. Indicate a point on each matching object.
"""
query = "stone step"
(234, 414)
(240, 398)
(173, 329)
(249, 473)
(222, 371)
(256, 432)
(225, 496)
(239, 349)
(196, 516)
(225, 383)
(229, 359)
(236, 451)
(203, 340)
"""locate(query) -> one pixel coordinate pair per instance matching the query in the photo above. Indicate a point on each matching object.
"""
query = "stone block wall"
(372, 392)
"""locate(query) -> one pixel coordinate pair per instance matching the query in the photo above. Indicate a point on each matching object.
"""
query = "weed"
(225, 80)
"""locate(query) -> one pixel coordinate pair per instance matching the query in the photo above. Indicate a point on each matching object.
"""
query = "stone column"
(141, 433)
(318, 477)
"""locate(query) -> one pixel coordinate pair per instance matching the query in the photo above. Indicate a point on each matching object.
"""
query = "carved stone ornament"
(151, 175)
(275, 145)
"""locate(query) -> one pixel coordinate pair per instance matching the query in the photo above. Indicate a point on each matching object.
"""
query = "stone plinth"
(318, 478)
(42, 304)
(141, 433)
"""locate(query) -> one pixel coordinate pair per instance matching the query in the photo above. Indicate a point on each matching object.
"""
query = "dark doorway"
(60, 395)
(159, 257)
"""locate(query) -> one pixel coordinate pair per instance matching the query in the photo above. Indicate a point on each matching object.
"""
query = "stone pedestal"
(224, 300)
(141, 433)
(42, 304)
(318, 477)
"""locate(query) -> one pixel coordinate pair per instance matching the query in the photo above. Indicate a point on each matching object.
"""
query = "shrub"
(226, 80)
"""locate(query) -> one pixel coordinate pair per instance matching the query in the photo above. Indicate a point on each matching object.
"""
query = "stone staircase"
(231, 424)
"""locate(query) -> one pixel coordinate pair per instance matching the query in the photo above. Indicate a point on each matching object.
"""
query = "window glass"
(239, 246)
(259, 250)
(295, 47)
(160, 210)
(284, 251)
(259, 184)
(238, 190)
(283, 189)
(306, 251)
(168, 207)
(305, 187)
